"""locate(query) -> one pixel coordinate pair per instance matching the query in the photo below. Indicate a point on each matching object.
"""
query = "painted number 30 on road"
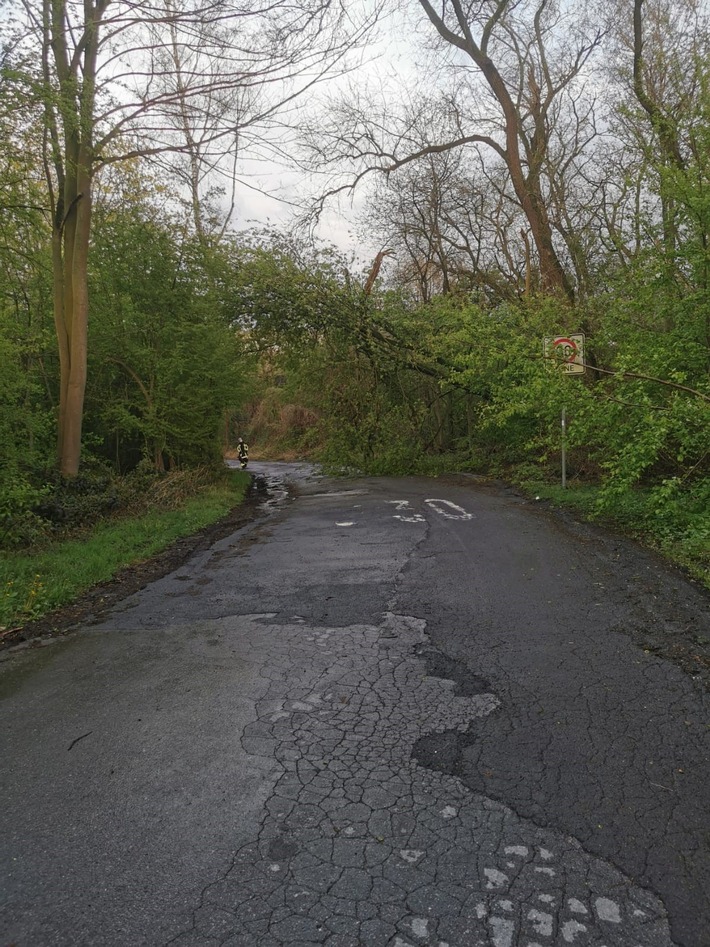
(443, 507)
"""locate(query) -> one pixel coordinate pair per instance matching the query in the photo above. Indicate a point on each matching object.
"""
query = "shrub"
(20, 525)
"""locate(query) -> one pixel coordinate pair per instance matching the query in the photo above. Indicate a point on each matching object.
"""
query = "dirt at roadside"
(672, 610)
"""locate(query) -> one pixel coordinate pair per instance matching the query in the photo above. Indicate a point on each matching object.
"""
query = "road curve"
(390, 712)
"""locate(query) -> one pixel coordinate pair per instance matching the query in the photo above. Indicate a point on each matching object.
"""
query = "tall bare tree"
(453, 228)
(666, 81)
(659, 53)
(526, 95)
(529, 57)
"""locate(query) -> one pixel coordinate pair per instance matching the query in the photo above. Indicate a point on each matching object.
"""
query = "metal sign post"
(567, 353)
(564, 448)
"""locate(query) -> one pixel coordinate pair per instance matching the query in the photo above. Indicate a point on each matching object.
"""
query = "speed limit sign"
(567, 351)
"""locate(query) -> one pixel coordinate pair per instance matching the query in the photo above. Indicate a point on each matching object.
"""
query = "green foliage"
(165, 366)
(284, 298)
(20, 525)
(20, 601)
(33, 583)
(80, 500)
(24, 418)
(25, 415)
(26, 377)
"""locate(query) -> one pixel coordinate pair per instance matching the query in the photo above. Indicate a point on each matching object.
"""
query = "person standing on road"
(242, 452)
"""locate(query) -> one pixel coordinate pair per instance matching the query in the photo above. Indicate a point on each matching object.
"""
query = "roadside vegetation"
(553, 180)
(679, 531)
(91, 547)
(396, 387)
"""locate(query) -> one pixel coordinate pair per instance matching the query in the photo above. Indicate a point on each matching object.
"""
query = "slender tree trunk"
(192, 148)
(61, 332)
(77, 274)
(665, 127)
(70, 123)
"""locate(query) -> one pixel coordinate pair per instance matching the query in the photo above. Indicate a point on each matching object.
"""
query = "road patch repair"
(441, 725)
(361, 845)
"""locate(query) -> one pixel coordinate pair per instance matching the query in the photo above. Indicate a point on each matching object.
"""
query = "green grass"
(33, 583)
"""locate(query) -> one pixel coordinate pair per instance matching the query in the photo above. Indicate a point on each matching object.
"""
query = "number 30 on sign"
(567, 351)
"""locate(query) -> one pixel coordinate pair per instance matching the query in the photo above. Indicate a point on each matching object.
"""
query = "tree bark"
(526, 186)
(69, 113)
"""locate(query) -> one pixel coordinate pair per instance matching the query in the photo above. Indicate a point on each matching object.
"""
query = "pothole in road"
(273, 489)
(437, 751)
(441, 752)
(440, 665)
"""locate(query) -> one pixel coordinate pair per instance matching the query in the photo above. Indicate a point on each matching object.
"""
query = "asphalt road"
(390, 712)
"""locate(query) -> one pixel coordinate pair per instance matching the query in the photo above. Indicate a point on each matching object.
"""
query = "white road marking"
(404, 505)
(345, 524)
(405, 513)
(448, 509)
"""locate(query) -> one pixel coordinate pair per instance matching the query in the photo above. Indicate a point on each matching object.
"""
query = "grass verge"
(34, 583)
(682, 535)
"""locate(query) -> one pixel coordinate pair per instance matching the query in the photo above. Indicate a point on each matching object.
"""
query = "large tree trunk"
(70, 123)
(60, 327)
(526, 187)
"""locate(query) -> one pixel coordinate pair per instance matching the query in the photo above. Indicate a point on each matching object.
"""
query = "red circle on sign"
(573, 346)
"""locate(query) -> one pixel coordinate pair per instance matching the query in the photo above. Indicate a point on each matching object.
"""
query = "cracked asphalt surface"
(397, 712)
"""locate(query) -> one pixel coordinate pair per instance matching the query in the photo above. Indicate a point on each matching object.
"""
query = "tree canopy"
(534, 171)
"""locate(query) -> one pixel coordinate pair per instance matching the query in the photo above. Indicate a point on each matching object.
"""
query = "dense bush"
(62, 506)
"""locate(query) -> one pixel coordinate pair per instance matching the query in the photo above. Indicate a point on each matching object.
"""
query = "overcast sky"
(270, 189)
